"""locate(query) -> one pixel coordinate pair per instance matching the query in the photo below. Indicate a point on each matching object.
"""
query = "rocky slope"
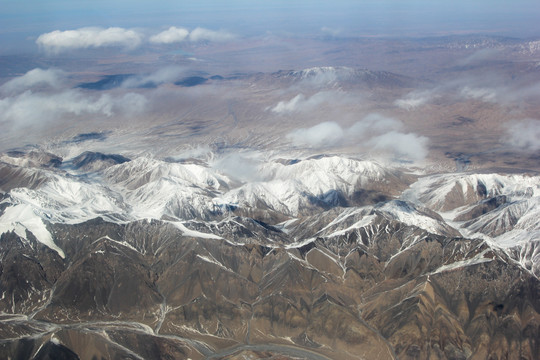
(320, 258)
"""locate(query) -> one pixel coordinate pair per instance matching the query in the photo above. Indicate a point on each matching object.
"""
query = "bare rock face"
(145, 290)
(28, 272)
(110, 286)
(96, 161)
(13, 176)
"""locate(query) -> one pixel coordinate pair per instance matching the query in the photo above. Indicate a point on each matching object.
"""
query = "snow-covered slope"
(310, 239)
(412, 215)
(502, 208)
(154, 188)
(21, 219)
(326, 181)
(147, 188)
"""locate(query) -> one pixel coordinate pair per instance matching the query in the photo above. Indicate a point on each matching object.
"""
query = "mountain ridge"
(303, 260)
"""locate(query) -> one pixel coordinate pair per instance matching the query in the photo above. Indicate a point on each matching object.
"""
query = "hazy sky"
(22, 21)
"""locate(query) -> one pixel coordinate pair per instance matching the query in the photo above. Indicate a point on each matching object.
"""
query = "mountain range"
(322, 257)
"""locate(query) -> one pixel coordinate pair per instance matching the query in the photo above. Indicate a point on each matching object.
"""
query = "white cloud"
(325, 134)
(410, 146)
(33, 78)
(524, 134)
(202, 34)
(289, 106)
(374, 133)
(415, 99)
(300, 103)
(243, 167)
(172, 35)
(374, 124)
(484, 94)
(490, 88)
(130, 103)
(89, 37)
(504, 94)
(28, 108)
(166, 74)
(31, 108)
(94, 37)
(199, 152)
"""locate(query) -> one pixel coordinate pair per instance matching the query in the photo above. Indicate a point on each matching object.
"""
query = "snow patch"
(365, 221)
(478, 259)
(21, 218)
(194, 233)
(300, 243)
(409, 215)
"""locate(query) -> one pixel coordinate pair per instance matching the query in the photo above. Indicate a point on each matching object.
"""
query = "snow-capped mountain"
(147, 188)
(336, 76)
(184, 257)
(505, 208)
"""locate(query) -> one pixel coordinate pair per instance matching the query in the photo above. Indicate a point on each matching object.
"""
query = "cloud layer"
(163, 75)
(176, 35)
(31, 103)
(202, 34)
(409, 146)
(95, 37)
(525, 135)
(243, 167)
(31, 108)
(170, 36)
(89, 37)
(490, 88)
(480, 93)
(415, 99)
(51, 78)
(301, 103)
(322, 135)
(373, 133)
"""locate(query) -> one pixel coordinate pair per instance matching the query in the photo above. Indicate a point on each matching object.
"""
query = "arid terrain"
(272, 198)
